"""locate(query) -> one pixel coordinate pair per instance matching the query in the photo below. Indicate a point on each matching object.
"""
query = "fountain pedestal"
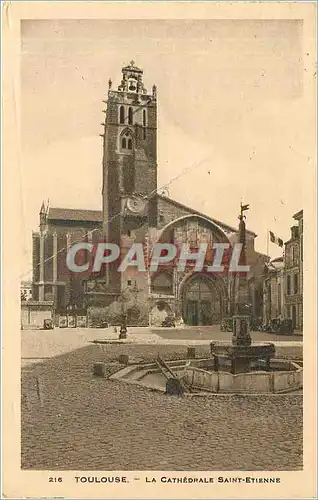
(241, 330)
(241, 340)
(242, 352)
(241, 356)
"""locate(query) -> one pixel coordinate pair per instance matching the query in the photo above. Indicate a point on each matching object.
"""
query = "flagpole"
(267, 250)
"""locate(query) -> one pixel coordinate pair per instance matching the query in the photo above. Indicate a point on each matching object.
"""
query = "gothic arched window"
(144, 117)
(126, 141)
(130, 116)
(121, 114)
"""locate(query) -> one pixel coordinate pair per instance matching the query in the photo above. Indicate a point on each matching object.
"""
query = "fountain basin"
(241, 355)
(257, 350)
(280, 376)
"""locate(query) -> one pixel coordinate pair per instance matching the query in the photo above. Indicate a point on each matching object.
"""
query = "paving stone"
(94, 423)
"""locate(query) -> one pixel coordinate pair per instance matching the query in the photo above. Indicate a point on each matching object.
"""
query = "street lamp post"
(123, 299)
(123, 325)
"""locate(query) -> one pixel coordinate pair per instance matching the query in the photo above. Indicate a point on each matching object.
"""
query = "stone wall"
(33, 313)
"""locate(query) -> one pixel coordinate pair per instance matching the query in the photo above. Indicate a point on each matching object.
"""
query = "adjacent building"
(293, 271)
(283, 280)
(26, 291)
(59, 228)
(274, 290)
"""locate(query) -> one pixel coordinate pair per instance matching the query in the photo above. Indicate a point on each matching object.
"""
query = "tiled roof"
(71, 214)
(75, 214)
(278, 259)
(222, 225)
(275, 265)
(132, 67)
(298, 215)
(25, 284)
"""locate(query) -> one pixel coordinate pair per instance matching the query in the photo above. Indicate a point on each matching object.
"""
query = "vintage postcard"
(159, 250)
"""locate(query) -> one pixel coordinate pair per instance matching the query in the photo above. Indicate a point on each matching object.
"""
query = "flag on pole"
(275, 239)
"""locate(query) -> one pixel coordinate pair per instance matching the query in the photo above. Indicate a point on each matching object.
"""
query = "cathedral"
(134, 212)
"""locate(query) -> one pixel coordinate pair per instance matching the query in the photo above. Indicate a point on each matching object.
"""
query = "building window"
(193, 239)
(301, 248)
(279, 302)
(288, 285)
(162, 284)
(121, 114)
(295, 283)
(130, 116)
(144, 117)
(295, 255)
(126, 142)
(144, 134)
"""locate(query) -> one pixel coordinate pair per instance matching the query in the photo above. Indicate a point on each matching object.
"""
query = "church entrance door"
(201, 302)
(192, 312)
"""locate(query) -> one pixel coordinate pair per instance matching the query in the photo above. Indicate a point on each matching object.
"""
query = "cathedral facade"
(134, 212)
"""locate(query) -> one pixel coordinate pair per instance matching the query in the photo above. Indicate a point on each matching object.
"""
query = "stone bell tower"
(129, 158)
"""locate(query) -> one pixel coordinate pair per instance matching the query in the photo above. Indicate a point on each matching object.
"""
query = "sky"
(230, 105)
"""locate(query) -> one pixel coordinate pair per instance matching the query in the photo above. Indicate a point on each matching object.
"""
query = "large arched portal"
(201, 297)
(203, 300)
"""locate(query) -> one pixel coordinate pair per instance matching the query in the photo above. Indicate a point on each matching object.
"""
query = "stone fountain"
(243, 365)
(241, 351)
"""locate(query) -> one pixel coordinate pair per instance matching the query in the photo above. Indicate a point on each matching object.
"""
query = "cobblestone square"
(74, 421)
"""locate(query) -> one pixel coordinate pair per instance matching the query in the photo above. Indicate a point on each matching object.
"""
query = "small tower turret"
(42, 218)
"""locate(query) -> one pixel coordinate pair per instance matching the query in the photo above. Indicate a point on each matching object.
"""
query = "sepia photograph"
(166, 196)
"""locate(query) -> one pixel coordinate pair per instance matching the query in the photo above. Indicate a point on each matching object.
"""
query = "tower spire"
(42, 217)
